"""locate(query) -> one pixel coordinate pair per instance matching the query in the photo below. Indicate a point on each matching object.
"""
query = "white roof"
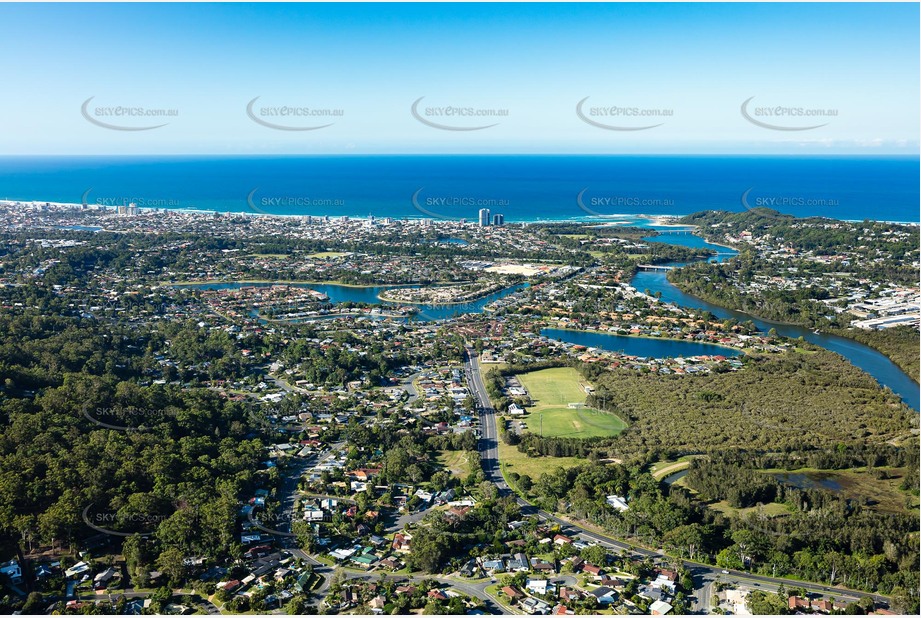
(660, 607)
(76, 569)
(618, 502)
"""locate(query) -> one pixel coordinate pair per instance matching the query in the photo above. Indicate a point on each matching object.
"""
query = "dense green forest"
(801, 397)
(174, 465)
(900, 344)
(106, 427)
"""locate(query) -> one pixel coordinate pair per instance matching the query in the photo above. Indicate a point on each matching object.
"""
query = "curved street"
(704, 575)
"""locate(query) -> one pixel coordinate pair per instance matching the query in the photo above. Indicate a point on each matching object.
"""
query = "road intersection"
(704, 575)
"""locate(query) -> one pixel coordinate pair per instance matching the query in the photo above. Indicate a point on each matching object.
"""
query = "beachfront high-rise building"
(498, 219)
(484, 217)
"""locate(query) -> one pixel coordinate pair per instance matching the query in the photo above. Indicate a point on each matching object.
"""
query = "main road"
(704, 575)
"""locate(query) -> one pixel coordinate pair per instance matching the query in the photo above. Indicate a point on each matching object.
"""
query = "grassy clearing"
(485, 367)
(582, 423)
(514, 461)
(551, 392)
(771, 510)
(323, 255)
(661, 469)
(859, 483)
(455, 462)
(855, 484)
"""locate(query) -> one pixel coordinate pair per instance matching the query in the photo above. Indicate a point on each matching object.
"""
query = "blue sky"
(693, 65)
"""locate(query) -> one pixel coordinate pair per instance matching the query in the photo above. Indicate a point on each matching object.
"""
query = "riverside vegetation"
(830, 259)
(808, 408)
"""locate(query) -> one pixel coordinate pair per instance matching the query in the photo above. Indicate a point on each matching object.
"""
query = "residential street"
(704, 575)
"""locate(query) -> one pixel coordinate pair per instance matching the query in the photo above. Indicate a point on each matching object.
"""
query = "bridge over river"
(653, 267)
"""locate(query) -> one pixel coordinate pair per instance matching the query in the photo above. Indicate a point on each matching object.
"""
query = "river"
(864, 357)
(369, 294)
(869, 360)
(654, 347)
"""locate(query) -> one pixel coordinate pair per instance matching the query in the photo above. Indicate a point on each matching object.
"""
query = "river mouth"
(884, 371)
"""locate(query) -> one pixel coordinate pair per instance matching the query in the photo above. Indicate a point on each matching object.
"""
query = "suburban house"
(12, 570)
(591, 569)
(659, 608)
(539, 564)
(494, 566)
(519, 562)
(401, 542)
(605, 595)
(540, 586)
(535, 606)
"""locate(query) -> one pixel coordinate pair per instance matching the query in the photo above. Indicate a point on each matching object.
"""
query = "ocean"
(525, 188)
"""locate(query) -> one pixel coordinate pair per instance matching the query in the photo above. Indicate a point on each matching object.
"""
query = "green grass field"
(769, 510)
(324, 255)
(551, 391)
(455, 462)
(513, 460)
